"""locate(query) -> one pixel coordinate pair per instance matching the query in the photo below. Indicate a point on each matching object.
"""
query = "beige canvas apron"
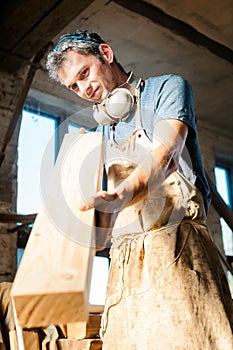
(167, 289)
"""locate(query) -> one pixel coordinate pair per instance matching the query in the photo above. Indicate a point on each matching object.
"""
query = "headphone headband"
(77, 37)
(133, 80)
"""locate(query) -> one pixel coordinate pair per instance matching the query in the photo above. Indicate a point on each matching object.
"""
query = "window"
(222, 176)
(99, 280)
(35, 132)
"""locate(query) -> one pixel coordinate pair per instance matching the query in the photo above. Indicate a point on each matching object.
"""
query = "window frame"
(226, 162)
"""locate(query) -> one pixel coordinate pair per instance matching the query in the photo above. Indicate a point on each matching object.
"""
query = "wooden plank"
(96, 309)
(93, 326)
(76, 330)
(13, 340)
(53, 280)
(81, 330)
(31, 339)
(85, 344)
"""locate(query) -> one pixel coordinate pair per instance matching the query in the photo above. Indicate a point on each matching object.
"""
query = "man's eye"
(84, 73)
(73, 86)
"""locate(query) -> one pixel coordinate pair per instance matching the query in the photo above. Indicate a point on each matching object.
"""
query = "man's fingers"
(98, 201)
(106, 196)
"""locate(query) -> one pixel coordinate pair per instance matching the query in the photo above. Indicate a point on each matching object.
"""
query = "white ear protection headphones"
(118, 104)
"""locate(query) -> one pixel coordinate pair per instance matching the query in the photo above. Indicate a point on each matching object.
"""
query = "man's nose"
(85, 88)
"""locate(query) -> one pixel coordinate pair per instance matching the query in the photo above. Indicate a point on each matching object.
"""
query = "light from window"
(35, 133)
(223, 188)
(99, 281)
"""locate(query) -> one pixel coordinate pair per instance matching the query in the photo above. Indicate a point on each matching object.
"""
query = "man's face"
(87, 76)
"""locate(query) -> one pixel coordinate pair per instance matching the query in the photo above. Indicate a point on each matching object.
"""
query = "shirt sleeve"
(174, 100)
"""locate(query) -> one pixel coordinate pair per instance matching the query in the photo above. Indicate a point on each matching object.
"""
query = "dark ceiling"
(28, 26)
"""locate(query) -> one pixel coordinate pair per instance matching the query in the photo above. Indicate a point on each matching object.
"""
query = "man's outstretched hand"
(106, 211)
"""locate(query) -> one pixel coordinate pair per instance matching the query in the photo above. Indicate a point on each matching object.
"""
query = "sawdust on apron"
(167, 289)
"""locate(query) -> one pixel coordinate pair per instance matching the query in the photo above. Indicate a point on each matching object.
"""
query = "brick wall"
(212, 143)
(10, 87)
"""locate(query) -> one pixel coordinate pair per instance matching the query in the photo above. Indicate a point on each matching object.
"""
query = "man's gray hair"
(82, 41)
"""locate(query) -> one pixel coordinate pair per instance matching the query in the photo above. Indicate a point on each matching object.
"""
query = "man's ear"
(106, 53)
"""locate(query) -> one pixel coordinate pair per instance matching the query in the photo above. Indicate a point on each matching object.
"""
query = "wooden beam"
(30, 337)
(11, 218)
(221, 207)
(80, 330)
(53, 280)
(28, 28)
(85, 344)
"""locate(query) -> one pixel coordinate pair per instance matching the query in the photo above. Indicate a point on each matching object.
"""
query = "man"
(166, 286)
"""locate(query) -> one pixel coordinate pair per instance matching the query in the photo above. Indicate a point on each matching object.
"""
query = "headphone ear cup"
(119, 103)
(100, 116)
